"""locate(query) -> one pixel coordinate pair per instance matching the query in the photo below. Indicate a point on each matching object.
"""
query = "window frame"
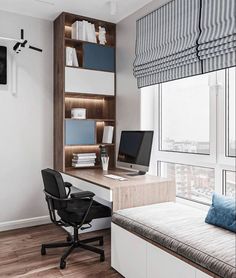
(226, 104)
(224, 177)
(217, 158)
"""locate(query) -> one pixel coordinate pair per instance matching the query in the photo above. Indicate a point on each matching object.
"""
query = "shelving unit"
(82, 87)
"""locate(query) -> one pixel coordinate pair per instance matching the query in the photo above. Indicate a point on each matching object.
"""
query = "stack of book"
(83, 30)
(80, 160)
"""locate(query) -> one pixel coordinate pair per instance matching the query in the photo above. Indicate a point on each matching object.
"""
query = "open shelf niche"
(99, 102)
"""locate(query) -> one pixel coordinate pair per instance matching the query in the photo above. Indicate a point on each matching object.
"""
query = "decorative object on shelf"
(20, 43)
(71, 57)
(107, 134)
(78, 113)
(102, 35)
(3, 65)
(103, 150)
(105, 162)
(80, 160)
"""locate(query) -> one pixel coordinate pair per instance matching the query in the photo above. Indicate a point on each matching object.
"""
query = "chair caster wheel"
(102, 258)
(101, 242)
(62, 264)
(43, 251)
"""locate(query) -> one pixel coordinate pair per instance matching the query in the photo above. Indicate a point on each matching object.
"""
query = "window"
(192, 182)
(189, 117)
(230, 112)
(230, 183)
(184, 121)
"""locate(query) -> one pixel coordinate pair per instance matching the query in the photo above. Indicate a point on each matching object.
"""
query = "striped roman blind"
(217, 41)
(185, 38)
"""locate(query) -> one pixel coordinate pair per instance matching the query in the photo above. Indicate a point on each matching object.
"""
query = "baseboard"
(22, 223)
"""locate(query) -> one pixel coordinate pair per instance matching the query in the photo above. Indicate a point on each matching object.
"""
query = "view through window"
(192, 182)
(184, 115)
(195, 124)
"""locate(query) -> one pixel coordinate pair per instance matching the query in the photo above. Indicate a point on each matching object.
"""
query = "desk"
(133, 192)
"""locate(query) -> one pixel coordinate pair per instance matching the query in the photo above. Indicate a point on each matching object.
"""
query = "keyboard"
(114, 177)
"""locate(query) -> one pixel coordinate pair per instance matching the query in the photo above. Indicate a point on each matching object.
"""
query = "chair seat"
(76, 210)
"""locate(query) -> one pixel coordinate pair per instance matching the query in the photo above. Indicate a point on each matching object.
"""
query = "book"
(82, 30)
(90, 31)
(84, 158)
(69, 60)
(75, 30)
(84, 154)
(82, 165)
(75, 62)
(83, 161)
(107, 134)
(71, 57)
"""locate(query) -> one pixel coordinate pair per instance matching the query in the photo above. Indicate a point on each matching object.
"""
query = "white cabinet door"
(161, 264)
(89, 81)
(128, 253)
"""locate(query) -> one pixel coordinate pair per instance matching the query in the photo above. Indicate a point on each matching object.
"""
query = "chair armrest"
(67, 184)
(82, 194)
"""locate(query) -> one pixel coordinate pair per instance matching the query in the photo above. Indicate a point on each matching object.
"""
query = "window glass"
(184, 115)
(230, 183)
(192, 182)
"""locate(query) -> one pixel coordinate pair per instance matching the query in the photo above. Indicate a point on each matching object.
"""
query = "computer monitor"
(135, 150)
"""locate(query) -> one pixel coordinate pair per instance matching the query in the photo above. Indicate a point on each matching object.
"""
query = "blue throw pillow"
(222, 212)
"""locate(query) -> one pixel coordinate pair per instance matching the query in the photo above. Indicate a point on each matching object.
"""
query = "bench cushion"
(182, 229)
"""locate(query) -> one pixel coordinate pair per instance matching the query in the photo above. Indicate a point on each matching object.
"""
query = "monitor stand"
(133, 174)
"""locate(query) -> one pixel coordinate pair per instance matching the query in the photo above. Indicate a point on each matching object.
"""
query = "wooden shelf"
(97, 120)
(92, 145)
(74, 67)
(90, 96)
(77, 42)
(99, 107)
(90, 167)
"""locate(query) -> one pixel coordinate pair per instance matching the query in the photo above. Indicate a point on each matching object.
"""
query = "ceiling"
(50, 9)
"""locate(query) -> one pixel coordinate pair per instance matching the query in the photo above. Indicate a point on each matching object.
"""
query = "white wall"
(128, 95)
(26, 122)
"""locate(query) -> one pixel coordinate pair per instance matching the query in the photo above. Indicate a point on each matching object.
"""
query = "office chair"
(74, 210)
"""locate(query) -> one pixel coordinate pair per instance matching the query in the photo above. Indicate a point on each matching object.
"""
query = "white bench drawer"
(161, 264)
(128, 254)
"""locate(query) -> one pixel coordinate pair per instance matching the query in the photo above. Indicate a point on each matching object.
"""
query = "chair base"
(73, 243)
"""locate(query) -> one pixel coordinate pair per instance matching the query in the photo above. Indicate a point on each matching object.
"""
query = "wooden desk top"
(96, 176)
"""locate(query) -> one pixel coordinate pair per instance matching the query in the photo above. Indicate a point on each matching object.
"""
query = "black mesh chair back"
(54, 185)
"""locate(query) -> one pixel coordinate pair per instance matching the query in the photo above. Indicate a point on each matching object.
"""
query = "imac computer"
(135, 151)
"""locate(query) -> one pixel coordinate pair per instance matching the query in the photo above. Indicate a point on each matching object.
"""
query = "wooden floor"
(20, 255)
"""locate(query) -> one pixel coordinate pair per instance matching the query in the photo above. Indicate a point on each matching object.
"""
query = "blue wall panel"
(80, 132)
(98, 57)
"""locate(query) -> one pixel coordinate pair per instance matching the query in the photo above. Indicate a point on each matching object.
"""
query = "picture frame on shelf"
(78, 113)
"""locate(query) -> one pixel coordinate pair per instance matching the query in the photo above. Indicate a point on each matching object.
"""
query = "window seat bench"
(170, 240)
